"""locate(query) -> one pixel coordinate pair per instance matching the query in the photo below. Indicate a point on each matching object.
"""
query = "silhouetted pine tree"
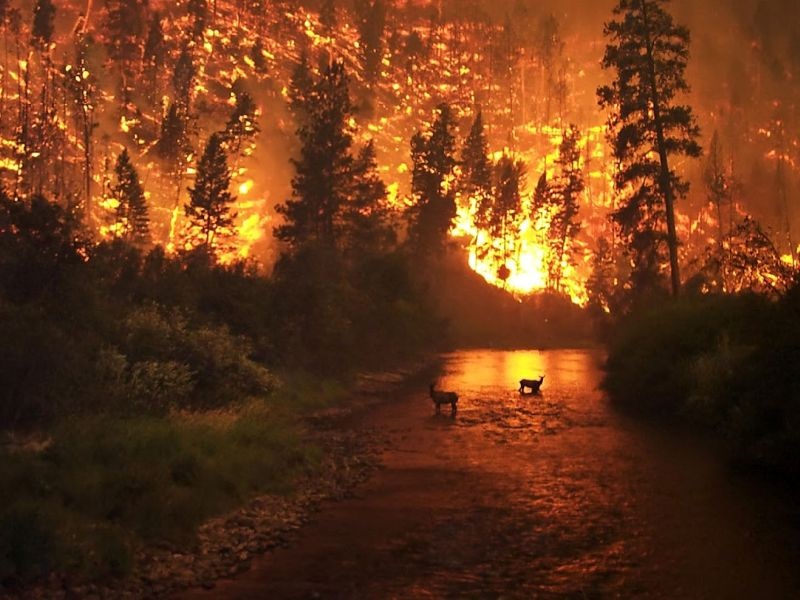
(198, 11)
(154, 56)
(506, 211)
(718, 191)
(38, 128)
(366, 225)
(209, 209)
(476, 172)
(125, 25)
(648, 53)
(173, 143)
(327, 16)
(432, 185)
(257, 54)
(183, 77)
(324, 171)
(132, 213)
(549, 48)
(567, 188)
(301, 90)
(82, 88)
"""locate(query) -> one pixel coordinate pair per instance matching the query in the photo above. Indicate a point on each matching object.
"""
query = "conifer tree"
(183, 77)
(648, 53)
(82, 87)
(506, 211)
(211, 218)
(125, 23)
(154, 56)
(549, 49)
(432, 185)
(327, 16)
(367, 230)
(476, 172)
(257, 54)
(323, 173)
(371, 21)
(242, 125)
(198, 11)
(132, 213)
(566, 190)
(718, 190)
(301, 90)
(173, 144)
(43, 22)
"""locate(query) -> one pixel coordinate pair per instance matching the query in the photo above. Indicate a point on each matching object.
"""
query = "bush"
(185, 365)
(155, 387)
(728, 362)
(653, 353)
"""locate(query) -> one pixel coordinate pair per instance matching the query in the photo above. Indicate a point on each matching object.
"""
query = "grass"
(104, 485)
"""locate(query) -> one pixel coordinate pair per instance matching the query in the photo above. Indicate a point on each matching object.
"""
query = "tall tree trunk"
(664, 179)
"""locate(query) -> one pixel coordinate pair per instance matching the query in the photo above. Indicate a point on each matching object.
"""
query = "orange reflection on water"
(479, 369)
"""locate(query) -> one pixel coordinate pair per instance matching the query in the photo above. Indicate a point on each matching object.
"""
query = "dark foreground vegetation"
(728, 363)
(141, 393)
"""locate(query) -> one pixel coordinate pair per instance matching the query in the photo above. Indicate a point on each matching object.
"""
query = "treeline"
(109, 327)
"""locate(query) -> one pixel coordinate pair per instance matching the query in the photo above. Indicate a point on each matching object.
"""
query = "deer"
(440, 398)
(532, 384)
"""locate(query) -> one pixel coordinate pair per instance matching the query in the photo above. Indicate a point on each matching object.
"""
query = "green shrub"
(653, 353)
(716, 379)
(156, 387)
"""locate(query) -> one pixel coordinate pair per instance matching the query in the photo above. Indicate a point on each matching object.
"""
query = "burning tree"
(153, 57)
(564, 194)
(242, 126)
(719, 190)
(506, 211)
(371, 17)
(476, 177)
(648, 53)
(432, 154)
(209, 210)
(133, 222)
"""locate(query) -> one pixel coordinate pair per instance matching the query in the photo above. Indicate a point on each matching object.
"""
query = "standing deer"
(440, 398)
(532, 384)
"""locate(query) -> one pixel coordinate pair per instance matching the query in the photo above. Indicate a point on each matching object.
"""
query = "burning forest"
(222, 221)
(94, 92)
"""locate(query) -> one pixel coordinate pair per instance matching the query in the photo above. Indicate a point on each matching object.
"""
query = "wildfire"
(461, 70)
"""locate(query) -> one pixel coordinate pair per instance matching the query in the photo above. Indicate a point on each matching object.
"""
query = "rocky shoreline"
(226, 545)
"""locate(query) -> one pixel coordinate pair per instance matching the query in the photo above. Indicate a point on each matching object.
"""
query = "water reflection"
(568, 499)
(547, 496)
(490, 370)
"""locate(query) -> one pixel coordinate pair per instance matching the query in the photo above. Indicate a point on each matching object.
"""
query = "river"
(546, 496)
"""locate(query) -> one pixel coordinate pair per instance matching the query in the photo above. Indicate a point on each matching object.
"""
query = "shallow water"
(549, 495)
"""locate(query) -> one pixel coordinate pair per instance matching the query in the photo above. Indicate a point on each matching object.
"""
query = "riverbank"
(556, 495)
(725, 364)
(334, 459)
